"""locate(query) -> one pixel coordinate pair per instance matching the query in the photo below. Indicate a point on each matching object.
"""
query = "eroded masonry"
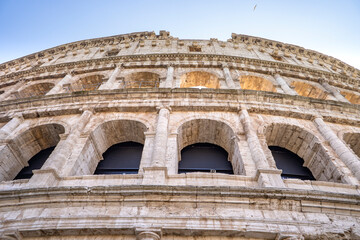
(146, 136)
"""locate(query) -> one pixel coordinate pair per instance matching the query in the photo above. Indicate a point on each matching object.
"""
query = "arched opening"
(121, 158)
(199, 79)
(290, 164)
(204, 157)
(107, 139)
(256, 83)
(308, 147)
(88, 83)
(142, 80)
(35, 90)
(353, 141)
(308, 90)
(351, 97)
(27, 146)
(36, 162)
(201, 136)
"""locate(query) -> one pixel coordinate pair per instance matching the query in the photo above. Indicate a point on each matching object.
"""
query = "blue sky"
(328, 26)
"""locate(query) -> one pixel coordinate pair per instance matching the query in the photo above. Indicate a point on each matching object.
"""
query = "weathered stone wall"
(85, 97)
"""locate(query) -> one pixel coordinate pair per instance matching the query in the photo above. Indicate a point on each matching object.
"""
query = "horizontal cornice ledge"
(226, 100)
(141, 190)
(285, 68)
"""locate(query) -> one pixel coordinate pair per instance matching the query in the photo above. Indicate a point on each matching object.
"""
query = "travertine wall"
(249, 93)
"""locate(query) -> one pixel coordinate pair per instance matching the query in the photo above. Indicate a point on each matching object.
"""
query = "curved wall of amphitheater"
(166, 93)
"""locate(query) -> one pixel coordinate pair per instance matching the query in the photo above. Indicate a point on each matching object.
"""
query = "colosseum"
(147, 136)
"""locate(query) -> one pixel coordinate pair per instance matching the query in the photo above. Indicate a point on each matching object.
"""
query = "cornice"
(94, 42)
(132, 100)
(234, 62)
(142, 190)
(300, 51)
(164, 35)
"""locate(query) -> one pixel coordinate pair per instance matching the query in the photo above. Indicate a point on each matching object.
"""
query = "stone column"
(59, 156)
(56, 163)
(147, 151)
(228, 78)
(9, 127)
(109, 84)
(284, 86)
(347, 156)
(172, 154)
(257, 153)
(161, 136)
(266, 175)
(169, 77)
(157, 172)
(59, 86)
(333, 90)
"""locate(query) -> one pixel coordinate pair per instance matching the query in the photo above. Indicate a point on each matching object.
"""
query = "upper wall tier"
(240, 48)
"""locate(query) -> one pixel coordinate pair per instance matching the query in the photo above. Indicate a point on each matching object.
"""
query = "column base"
(154, 175)
(44, 178)
(269, 178)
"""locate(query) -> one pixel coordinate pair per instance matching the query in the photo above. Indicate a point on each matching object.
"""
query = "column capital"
(163, 107)
(147, 235)
(322, 80)
(87, 109)
(17, 115)
(69, 72)
(224, 65)
(117, 65)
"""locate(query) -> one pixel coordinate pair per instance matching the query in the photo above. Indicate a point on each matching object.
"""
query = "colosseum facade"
(145, 136)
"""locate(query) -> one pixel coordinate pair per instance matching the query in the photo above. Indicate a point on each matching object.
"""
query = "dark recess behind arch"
(204, 157)
(290, 163)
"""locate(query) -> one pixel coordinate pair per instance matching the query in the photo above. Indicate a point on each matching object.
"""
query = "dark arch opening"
(290, 163)
(36, 162)
(121, 158)
(204, 157)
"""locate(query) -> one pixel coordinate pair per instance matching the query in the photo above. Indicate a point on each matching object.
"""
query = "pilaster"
(169, 77)
(10, 126)
(266, 175)
(229, 81)
(109, 84)
(347, 156)
(333, 91)
(284, 86)
(11, 90)
(59, 86)
(58, 162)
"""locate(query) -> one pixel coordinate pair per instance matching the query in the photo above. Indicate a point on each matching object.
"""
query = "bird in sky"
(255, 7)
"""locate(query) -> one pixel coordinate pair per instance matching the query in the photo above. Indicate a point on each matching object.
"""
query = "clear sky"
(327, 26)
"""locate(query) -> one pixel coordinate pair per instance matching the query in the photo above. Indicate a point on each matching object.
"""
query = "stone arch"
(307, 146)
(213, 132)
(96, 122)
(176, 126)
(256, 83)
(308, 90)
(199, 79)
(25, 145)
(39, 122)
(142, 80)
(351, 97)
(88, 83)
(353, 141)
(104, 136)
(34, 90)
